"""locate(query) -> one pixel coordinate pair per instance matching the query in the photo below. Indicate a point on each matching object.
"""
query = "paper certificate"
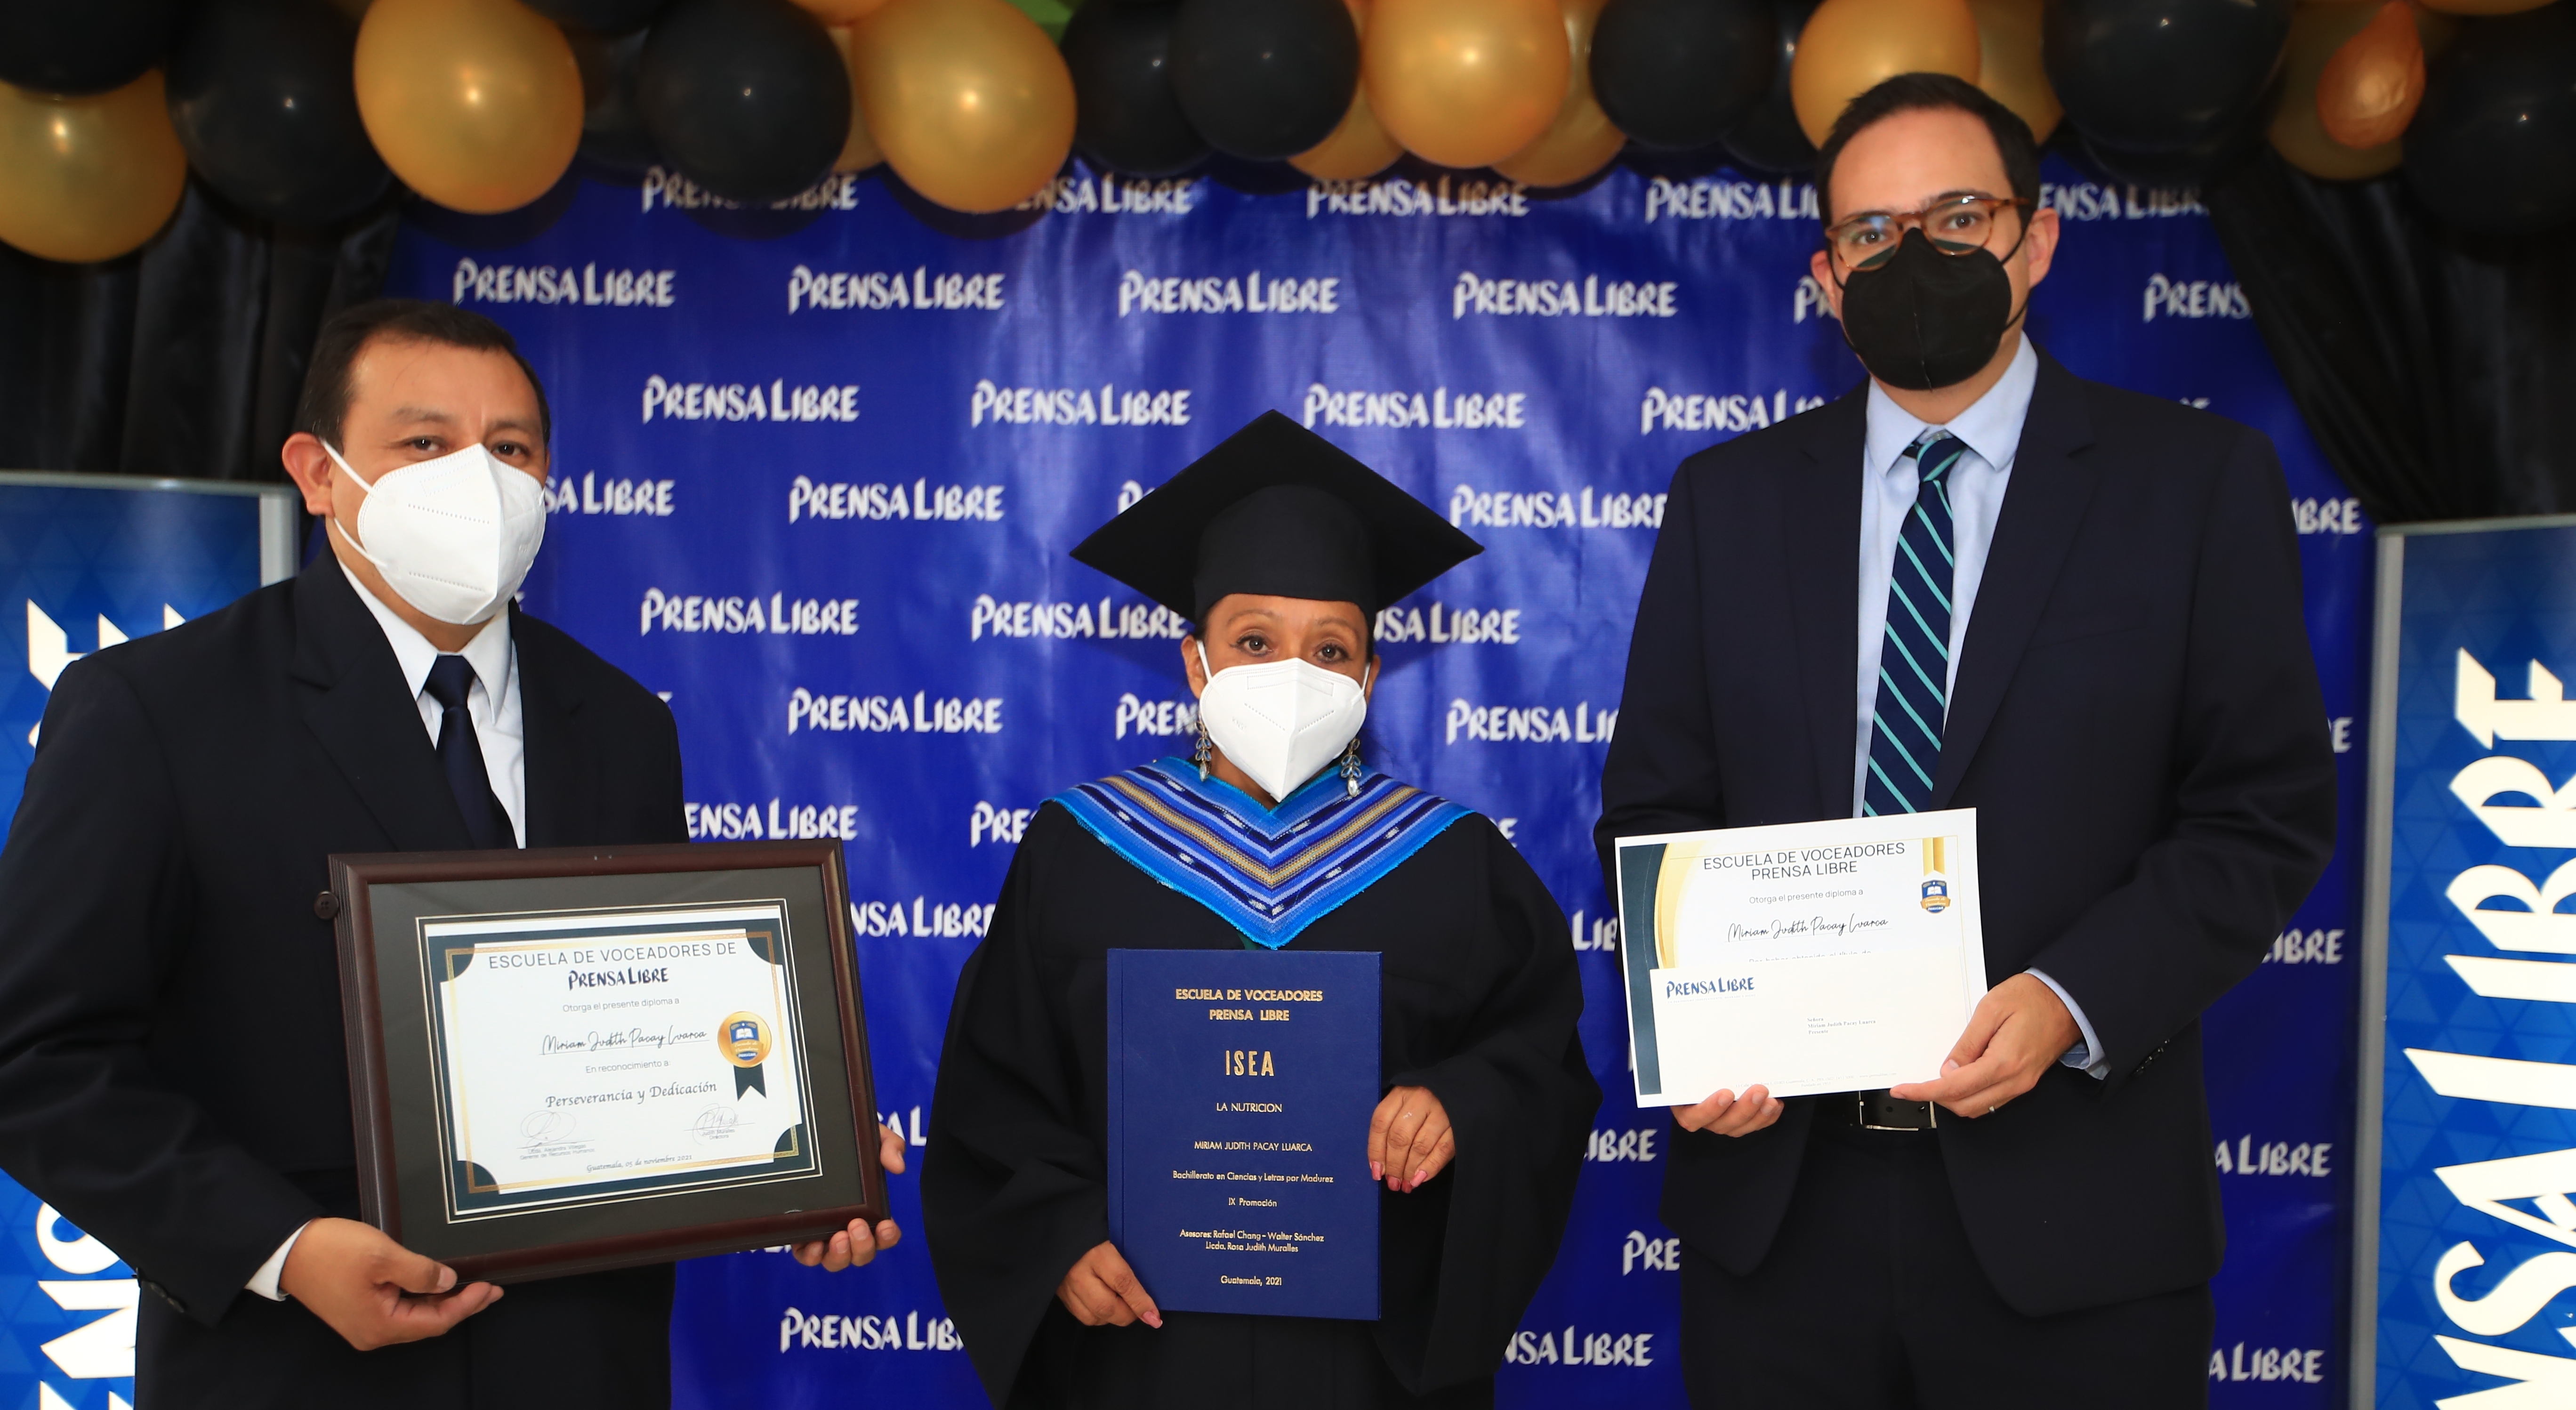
(587, 1056)
(1831, 956)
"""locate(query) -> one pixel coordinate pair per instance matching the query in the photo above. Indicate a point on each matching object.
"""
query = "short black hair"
(323, 410)
(1931, 92)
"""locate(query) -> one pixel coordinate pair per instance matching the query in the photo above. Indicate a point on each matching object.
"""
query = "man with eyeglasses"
(2077, 611)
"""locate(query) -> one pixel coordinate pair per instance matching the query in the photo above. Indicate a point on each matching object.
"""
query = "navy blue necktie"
(1914, 655)
(461, 755)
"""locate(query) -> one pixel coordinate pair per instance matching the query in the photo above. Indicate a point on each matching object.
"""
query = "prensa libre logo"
(882, 290)
(1551, 298)
(838, 191)
(1217, 293)
(620, 497)
(1076, 406)
(1111, 194)
(541, 284)
(1467, 411)
(1394, 195)
(922, 500)
(739, 401)
(2194, 298)
(1661, 410)
(1703, 199)
(1554, 509)
(1498, 626)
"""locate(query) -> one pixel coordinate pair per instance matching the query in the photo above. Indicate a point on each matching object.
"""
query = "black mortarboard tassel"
(1276, 509)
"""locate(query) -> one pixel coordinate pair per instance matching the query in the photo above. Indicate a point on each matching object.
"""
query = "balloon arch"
(304, 112)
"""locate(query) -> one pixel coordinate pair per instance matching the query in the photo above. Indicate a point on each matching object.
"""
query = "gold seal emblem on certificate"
(745, 1039)
(1936, 887)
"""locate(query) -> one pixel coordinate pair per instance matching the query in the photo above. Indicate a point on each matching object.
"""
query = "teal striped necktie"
(1914, 656)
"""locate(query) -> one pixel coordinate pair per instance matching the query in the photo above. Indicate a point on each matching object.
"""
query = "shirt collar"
(1991, 426)
(488, 653)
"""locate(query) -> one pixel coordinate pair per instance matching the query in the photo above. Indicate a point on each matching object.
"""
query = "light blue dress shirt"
(1991, 430)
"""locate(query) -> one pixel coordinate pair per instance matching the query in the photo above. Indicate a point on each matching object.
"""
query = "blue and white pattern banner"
(816, 470)
(2475, 1112)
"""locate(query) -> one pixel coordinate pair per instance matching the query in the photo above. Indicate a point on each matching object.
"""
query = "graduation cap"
(1276, 509)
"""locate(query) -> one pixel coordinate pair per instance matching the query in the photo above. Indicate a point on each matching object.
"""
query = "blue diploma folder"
(1241, 1083)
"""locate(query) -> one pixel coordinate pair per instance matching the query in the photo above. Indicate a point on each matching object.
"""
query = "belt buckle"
(1861, 1114)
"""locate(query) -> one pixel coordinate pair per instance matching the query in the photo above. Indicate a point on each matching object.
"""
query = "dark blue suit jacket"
(2137, 723)
(173, 1067)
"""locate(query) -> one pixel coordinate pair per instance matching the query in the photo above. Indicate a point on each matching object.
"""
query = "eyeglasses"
(1954, 225)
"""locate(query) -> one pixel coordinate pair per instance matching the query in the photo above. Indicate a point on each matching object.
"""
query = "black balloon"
(261, 93)
(1674, 74)
(1264, 79)
(83, 46)
(599, 16)
(2187, 167)
(2493, 148)
(1768, 138)
(748, 98)
(2150, 76)
(1126, 116)
(612, 126)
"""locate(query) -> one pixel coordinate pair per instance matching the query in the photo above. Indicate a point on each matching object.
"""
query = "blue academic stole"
(1269, 872)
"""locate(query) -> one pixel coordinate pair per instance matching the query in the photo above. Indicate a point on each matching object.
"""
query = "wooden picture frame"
(402, 916)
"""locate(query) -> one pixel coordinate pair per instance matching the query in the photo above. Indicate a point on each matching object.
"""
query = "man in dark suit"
(2077, 611)
(173, 1076)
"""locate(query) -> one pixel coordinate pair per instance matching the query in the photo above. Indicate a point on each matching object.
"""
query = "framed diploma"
(1835, 956)
(574, 1059)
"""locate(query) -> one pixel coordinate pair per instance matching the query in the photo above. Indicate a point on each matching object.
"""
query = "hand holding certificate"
(1831, 956)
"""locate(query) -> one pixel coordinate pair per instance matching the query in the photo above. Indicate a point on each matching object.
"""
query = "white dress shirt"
(1990, 429)
(498, 726)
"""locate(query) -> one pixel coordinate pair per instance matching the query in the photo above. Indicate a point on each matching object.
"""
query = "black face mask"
(1925, 319)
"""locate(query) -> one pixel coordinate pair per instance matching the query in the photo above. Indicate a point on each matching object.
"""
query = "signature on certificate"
(715, 1124)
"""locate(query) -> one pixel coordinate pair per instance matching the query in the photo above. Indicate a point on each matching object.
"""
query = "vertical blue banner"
(817, 466)
(2471, 1011)
(87, 561)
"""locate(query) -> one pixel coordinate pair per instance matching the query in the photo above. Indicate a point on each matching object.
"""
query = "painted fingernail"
(1419, 1176)
(1377, 1171)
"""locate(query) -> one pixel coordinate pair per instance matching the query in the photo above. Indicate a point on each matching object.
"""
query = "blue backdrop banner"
(2472, 1024)
(816, 469)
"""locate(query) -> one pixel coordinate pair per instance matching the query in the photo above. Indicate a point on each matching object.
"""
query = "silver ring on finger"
(1992, 1110)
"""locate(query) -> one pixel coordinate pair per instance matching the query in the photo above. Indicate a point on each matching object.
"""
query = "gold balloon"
(475, 104)
(87, 178)
(1581, 141)
(2485, 7)
(2298, 129)
(2008, 65)
(861, 150)
(1358, 148)
(970, 102)
(841, 12)
(1465, 82)
(1851, 46)
(2374, 82)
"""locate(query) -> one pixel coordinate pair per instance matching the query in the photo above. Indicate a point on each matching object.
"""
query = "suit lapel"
(2052, 485)
(350, 693)
(1821, 504)
(559, 795)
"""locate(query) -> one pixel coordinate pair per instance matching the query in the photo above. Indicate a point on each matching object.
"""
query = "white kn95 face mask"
(454, 536)
(1280, 721)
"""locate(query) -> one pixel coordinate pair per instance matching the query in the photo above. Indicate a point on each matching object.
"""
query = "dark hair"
(1931, 92)
(324, 408)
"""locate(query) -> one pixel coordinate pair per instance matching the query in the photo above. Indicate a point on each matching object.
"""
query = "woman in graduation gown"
(1282, 549)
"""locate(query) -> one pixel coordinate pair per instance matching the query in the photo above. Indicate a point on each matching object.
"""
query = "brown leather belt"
(1875, 1111)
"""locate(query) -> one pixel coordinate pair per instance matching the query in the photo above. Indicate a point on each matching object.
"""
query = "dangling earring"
(1351, 767)
(1200, 755)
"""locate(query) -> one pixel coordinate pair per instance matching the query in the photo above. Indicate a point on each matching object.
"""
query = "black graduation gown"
(1481, 996)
